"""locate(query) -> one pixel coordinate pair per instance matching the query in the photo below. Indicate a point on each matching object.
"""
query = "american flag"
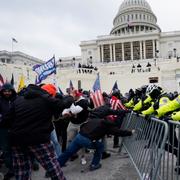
(116, 103)
(96, 96)
(1, 80)
(14, 40)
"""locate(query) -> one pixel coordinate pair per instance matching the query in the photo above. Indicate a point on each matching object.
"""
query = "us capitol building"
(135, 53)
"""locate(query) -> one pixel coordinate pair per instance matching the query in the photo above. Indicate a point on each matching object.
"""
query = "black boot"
(105, 155)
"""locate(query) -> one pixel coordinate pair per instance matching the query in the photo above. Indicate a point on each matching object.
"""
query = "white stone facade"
(18, 58)
(135, 53)
(136, 39)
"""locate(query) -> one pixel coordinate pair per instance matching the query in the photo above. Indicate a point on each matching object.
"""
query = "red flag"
(116, 103)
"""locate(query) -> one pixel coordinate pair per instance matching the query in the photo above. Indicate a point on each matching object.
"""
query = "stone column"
(122, 47)
(114, 52)
(125, 31)
(144, 46)
(154, 49)
(140, 43)
(158, 48)
(102, 53)
(132, 51)
(111, 57)
(99, 53)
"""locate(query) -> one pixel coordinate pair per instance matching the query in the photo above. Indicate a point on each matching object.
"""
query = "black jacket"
(30, 117)
(5, 103)
(97, 126)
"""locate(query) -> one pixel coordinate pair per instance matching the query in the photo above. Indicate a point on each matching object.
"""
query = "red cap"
(50, 88)
(77, 93)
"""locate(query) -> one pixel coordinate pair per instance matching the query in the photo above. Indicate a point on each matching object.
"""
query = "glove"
(166, 119)
(137, 114)
(147, 117)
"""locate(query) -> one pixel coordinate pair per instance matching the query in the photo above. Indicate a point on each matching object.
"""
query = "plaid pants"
(44, 153)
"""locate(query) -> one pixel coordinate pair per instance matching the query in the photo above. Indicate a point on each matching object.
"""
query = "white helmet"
(151, 88)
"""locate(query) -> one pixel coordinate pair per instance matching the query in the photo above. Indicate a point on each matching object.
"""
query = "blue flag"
(115, 87)
(96, 85)
(12, 80)
(60, 91)
(44, 70)
(71, 85)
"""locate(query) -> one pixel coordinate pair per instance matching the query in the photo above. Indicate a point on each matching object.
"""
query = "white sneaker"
(83, 161)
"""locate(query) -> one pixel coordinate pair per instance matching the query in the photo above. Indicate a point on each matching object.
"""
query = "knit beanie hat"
(7, 86)
(50, 88)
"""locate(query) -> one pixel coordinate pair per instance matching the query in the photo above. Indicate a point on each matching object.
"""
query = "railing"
(170, 164)
(146, 146)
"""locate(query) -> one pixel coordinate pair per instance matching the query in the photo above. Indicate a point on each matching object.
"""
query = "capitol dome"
(134, 16)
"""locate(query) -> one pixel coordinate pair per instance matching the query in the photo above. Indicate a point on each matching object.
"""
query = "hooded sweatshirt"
(5, 103)
(30, 117)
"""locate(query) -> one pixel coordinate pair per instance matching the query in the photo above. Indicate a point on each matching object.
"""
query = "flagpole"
(12, 45)
(54, 77)
(11, 49)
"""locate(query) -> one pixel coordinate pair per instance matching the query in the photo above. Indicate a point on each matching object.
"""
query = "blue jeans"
(79, 142)
(56, 144)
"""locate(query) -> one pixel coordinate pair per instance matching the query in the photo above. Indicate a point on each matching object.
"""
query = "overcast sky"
(47, 27)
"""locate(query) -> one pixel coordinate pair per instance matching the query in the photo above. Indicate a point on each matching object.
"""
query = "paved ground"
(117, 167)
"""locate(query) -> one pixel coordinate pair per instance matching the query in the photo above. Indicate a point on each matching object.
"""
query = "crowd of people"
(153, 101)
(86, 69)
(39, 126)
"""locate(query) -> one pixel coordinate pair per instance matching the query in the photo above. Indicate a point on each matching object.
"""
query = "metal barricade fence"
(146, 146)
(170, 164)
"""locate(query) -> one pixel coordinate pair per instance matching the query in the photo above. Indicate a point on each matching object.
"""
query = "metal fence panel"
(146, 146)
(170, 163)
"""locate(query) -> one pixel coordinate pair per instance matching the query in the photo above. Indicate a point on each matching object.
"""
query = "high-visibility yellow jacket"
(150, 110)
(141, 104)
(138, 106)
(167, 106)
(129, 104)
(176, 116)
(147, 100)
